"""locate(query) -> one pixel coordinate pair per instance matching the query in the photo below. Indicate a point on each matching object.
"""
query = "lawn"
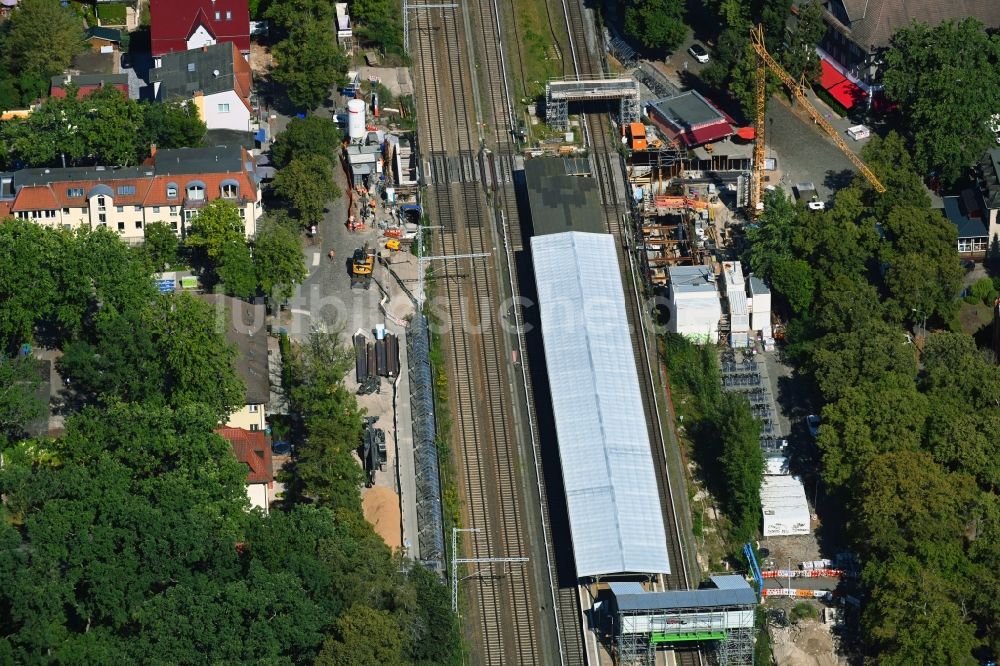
(543, 45)
(111, 14)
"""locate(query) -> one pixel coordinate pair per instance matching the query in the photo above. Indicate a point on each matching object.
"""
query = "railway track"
(607, 169)
(504, 600)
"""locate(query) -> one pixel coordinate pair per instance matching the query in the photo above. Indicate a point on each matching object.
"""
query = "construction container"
(391, 355)
(372, 365)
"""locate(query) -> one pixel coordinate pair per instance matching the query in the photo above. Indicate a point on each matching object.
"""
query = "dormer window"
(196, 192)
(190, 66)
(171, 191)
(74, 192)
(230, 190)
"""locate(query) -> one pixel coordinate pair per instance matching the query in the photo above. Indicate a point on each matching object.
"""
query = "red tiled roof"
(251, 449)
(699, 135)
(172, 22)
(5, 209)
(39, 197)
(84, 90)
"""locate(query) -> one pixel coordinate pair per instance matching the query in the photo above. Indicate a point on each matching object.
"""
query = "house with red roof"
(252, 449)
(172, 186)
(179, 25)
(690, 119)
(87, 84)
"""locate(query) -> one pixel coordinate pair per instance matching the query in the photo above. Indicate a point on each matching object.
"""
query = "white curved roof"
(611, 494)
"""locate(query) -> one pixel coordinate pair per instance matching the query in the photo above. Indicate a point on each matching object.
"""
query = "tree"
(656, 24)
(172, 125)
(946, 81)
(19, 402)
(799, 57)
(309, 63)
(49, 134)
(216, 226)
(290, 14)
(912, 619)
(113, 129)
(857, 429)
(326, 470)
(873, 349)
(235, 269)
(37, 42)
(278, 259)
(161, 245)
(307, 184)
(742, 464)
(312, 135)
(171, 353)
(380, 22)
(353, 644)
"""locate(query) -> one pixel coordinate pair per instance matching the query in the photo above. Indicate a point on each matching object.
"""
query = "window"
(190, 66)
(121, 226)
(65, 211)
(229, 16)
(223, 108)
(102, 218)
(126, 189)
(156, 209)
(74, 192)
(253, 408)
(171, 191)
(138, 224)
(174, 225)
(243, 212)
(50, 214)
(196, 192)
(103, 225)
(218, 15)
(138, 209)
(119, 209)
(190, 215)
(254, 427)
(100, 203)
(230, 190)
(157, 63)
(173, 210)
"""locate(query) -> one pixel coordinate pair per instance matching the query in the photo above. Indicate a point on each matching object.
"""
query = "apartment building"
(172, 186)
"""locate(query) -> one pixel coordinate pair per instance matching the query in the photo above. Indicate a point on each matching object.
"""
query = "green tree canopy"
(309, 63)
(19, 403)
(172, 125)
(37, 42)
(946, 81)
(307, 184)
(742, 464)
(381, 23)
(657, 25)
(161, 245)
(312, 135)
(278, 259)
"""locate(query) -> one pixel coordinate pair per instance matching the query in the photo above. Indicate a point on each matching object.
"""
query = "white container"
(356, 119)
(379, 331)
(858, 132)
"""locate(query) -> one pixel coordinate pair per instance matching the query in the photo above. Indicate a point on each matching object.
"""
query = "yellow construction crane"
(765, 62)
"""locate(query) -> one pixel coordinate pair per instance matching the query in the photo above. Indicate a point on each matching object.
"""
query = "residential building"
(87, 84)
(253, 450)
(967, 215)
(179, 25)
(858, 31)
(988, 180)
(103, 40)
(215, 78)
(172, 186)
(244, 326)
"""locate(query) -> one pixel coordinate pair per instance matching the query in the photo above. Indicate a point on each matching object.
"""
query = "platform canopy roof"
(613, 504)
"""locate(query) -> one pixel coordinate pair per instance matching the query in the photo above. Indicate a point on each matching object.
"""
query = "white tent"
(786, 511)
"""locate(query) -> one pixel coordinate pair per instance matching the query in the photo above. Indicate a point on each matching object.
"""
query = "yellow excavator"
(765, 62)
(362, 265)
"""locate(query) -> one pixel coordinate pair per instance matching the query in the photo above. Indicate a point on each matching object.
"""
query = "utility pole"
(455, 561)
(407, 7)
(421, 267)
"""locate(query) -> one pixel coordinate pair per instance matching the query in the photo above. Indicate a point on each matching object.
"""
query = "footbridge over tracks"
(559, 93)
(722, 613)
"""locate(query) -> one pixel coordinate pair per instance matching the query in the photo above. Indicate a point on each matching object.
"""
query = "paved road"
(805, 153)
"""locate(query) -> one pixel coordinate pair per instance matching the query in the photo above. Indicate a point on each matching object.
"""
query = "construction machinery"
(766, 62)
(362, 265)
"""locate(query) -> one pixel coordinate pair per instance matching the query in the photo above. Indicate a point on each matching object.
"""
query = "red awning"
(839, 87)
(746, 133)
(706, 134)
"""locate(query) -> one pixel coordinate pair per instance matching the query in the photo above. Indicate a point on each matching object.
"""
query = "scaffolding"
(724, 616)
(559, 93)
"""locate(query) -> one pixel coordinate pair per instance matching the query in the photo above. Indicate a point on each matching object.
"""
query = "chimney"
(152, 150)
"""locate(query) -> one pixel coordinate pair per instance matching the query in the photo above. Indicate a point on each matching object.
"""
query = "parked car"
(812, 422)
(699, 53)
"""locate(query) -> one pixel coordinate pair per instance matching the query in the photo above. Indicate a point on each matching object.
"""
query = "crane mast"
(766, 62)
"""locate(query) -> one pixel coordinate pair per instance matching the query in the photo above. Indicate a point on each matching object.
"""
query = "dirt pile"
(381, 507)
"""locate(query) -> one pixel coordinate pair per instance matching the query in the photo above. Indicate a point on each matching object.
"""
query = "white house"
(215, 78)
(695, 309)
